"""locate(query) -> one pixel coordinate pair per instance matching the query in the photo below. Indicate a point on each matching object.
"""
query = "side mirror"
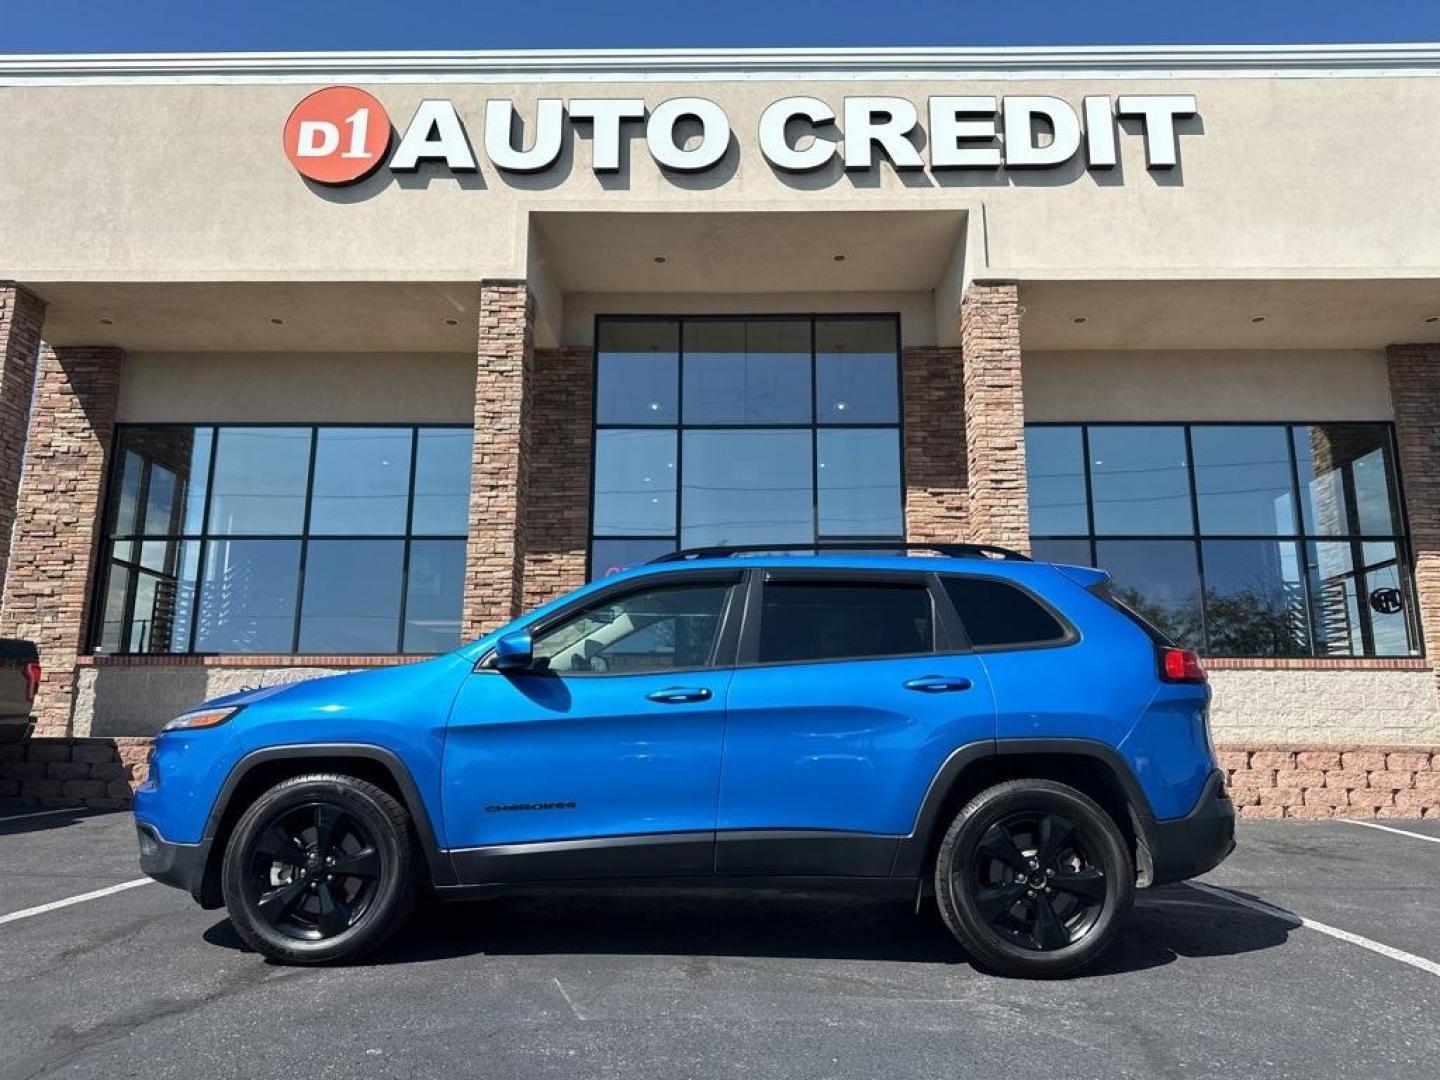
(513, 652)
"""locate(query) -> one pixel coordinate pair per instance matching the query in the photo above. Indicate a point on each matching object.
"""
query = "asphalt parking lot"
(669, 985)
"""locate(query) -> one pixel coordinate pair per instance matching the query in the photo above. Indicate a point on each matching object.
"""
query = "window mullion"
(203, 558)
(409, 530)
(304, 541)
(1089, 494)
(1199, 543)
(1302, 546)
(814, 442)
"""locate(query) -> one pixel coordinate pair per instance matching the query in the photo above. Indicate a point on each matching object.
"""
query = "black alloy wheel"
(320, 868)
(1034, 882)
(313, 872)
(1034, 878)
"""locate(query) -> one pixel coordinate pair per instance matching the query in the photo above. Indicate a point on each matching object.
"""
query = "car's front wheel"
(1034, 878)
(320, 868)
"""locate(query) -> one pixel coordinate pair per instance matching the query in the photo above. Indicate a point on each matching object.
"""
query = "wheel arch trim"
(916, 847)
(437, 859)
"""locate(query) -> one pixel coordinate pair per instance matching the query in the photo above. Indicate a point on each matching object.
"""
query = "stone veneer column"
(53, 553)
(1415, 396)
(999, 511)
(935, 480)
(557, 513)
(22, 314)
(504, 374)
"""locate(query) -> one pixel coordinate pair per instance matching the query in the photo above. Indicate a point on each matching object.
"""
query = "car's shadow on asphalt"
(1168, 924)
(18, 819)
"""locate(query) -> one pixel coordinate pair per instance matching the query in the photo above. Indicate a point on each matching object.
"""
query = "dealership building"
(316, 362)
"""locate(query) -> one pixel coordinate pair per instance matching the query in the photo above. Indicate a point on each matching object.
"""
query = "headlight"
(201, 718)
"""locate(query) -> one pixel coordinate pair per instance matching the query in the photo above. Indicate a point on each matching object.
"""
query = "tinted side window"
(651, 630)
(803, 621)
(997, 613)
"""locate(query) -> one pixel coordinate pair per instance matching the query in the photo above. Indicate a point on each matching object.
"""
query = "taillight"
(1181, 665)
(32, 679)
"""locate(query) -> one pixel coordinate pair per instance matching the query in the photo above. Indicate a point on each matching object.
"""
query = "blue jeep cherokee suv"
(998, 730)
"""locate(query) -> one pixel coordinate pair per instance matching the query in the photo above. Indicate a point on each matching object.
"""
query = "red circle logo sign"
(337, 135)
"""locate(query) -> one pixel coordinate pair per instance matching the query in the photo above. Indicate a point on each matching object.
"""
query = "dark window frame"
(1299, 539)
(205, 538)
(679, 426)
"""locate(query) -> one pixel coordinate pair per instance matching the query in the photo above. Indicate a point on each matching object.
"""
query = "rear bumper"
(180, 865)
(1189, 846)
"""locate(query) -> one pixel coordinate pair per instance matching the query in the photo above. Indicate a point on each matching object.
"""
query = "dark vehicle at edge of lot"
(999, 733)
(19, 680)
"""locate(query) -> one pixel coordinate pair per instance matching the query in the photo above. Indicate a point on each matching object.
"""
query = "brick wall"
(994, 415)
(935, 482)
(1337, 703)
(1307, 781)
(558, 510)
(22, 314)
(47, 588)
(98, 773)
(1415, 394)
(504, 378)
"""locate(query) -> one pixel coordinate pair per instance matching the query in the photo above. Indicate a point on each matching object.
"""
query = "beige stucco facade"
(1307, 177)
(1286, 175)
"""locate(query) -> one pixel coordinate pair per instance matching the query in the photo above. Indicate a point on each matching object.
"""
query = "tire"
(287, 902)
(1050, 901)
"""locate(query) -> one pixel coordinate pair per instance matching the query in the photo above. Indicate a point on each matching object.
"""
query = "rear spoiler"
(1087, 577)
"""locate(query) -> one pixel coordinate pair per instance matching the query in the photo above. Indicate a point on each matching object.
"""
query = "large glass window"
(285, 539)
(1249, 540)
(760, 430)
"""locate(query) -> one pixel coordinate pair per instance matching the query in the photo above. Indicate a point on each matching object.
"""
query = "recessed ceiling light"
(452, 322)
(105, 320)
(1079, 320)
(1257, 318)
(659, 258)
(277, 320)
(1432, 318)
(839, 258)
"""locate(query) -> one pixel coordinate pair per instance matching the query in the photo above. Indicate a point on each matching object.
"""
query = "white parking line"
(1388, 951)
(44, 813)
(1389, 828)
(57, 904)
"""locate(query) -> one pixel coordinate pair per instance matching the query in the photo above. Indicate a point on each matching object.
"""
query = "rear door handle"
(679, 695)
(938, 684)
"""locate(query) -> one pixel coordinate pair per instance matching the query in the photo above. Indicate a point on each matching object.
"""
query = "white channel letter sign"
(794, 134)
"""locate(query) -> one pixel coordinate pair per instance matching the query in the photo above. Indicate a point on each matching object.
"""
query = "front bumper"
(180, 865)
(1189, 846)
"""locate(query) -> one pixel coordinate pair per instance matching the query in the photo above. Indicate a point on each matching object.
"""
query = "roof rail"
(950, 551)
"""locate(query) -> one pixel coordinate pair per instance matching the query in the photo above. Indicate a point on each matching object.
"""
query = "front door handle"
(679, 695)
(938, 684)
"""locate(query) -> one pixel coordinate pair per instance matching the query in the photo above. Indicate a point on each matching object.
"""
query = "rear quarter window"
(997, 614)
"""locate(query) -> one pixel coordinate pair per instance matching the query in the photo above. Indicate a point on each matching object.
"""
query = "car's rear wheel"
(1034, 879)
(320, 868)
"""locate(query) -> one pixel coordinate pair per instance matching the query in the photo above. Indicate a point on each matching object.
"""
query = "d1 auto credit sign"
(337, 135)
(342, 134)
